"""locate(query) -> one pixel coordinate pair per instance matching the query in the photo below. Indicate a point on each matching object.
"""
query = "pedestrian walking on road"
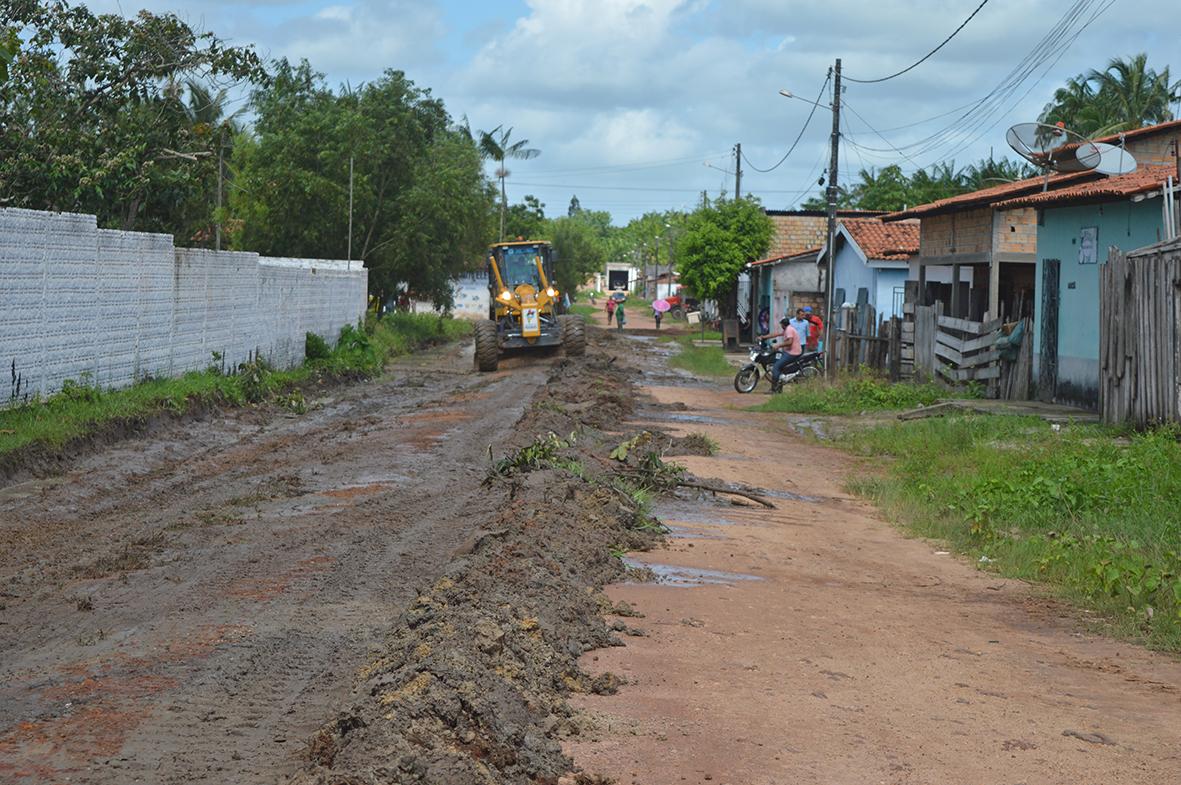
(610, 310)
(657, 315)
(620, 317)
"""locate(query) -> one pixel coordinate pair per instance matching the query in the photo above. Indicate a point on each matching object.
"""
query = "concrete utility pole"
(832, 210)
(221, 147)
(350, 243)
(738, 170)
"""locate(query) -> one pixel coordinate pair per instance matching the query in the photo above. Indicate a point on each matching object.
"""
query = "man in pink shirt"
(790, 349)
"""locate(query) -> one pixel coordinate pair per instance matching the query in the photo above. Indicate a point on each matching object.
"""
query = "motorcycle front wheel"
(747, 378)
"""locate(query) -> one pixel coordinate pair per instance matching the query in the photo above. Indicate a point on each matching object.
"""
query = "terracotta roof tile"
(1144, 179)
(893, 241)
(801, 254)
(987, 196)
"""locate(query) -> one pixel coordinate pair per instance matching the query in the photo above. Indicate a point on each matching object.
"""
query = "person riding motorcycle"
(790, 349)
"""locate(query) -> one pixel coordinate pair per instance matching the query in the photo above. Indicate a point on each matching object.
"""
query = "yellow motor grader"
(524, 305)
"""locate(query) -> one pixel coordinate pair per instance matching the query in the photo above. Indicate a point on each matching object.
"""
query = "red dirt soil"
(859, 656)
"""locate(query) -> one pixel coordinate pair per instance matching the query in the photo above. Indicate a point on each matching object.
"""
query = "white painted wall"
(121, 306)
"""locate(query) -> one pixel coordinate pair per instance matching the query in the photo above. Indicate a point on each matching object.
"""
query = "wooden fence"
(926, 345)
(1139, 351)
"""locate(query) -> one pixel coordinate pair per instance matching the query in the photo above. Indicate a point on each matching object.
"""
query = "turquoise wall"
(1126, 225)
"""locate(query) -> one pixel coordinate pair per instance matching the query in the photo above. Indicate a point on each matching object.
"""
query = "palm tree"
(1138, 95)
(495, 145)
(1127, 94)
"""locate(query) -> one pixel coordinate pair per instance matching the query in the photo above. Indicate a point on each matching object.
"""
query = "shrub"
(316, 348)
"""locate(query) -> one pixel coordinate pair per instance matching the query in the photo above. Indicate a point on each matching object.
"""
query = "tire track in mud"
(189, 606)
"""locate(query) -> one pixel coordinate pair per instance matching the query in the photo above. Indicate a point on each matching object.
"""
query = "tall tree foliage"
(1127, 94)
(94, 121)
(719, 240)
(421, 204)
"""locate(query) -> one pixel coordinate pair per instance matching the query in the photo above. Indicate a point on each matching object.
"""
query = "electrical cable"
(980, 111)
(928, 55)
(800, 135)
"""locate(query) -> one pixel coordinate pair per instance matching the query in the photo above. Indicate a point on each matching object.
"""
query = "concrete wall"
(77, 300)
(788, 281)
(1125, 225)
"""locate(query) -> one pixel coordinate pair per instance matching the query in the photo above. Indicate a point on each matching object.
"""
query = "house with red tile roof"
(988, 239)
(1077, 224)
(789, 277)
(871, 263)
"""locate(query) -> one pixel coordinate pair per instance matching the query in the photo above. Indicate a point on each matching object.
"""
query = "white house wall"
(78, 302)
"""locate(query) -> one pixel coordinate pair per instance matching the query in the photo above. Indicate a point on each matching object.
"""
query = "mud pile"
(471, 685)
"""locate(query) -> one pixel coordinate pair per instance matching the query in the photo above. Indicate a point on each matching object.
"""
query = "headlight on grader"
(506, 295)
(551, 292)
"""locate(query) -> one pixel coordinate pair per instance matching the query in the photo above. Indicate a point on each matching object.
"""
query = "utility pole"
(738, 170)
(832, 210)
(350, 243)
(221, 147)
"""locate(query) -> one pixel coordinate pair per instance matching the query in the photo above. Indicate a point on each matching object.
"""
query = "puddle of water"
(685, 533)
(681, 417)
(686, 514)
(671, 575)
(797, 497)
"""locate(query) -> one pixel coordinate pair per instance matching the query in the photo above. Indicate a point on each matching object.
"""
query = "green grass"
(584, 310)
(855, 394)
(1090, 512)
(80, 408)
(701, 360)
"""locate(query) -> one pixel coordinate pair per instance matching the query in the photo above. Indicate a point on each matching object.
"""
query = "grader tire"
(573, 335)
(487, 347)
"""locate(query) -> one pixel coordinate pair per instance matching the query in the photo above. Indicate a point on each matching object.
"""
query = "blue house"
(1076, 226)
(872, 262)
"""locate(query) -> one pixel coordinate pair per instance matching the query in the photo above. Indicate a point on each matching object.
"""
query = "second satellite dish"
(1114, 160)
(1053, 148)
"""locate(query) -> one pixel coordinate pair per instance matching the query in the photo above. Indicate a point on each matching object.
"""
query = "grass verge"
(81, 408)
(701, 360)
(1093, 513)
(856, 394)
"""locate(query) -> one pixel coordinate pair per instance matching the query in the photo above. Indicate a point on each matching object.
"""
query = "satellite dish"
(1052, 148)
(1114, 160)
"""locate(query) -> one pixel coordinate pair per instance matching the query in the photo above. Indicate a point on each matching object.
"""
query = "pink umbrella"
(661, 305)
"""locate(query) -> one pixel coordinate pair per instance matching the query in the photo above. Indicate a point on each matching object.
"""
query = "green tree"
(9, 46)
(421, 204)
(718, 242)
(526, 219)
(495, 145)
(92, 120)
(1127, 94)
(580, 252)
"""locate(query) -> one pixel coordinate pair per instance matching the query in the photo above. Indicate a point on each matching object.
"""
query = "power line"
(987, 107)
(928, 55)
(800, 135)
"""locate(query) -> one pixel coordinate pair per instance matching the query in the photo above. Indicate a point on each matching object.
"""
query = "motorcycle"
(809, 365)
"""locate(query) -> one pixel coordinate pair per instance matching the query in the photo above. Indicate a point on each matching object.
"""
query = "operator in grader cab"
(525, 306)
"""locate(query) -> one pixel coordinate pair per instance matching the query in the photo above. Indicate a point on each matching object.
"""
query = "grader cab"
(525, 306)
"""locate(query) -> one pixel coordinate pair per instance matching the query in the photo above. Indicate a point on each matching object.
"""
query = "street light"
(790, 94)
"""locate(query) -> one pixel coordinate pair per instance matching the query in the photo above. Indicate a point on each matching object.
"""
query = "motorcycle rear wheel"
(747, 378)
(808, 372)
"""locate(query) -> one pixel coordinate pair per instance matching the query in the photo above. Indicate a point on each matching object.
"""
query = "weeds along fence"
(1139, 350)
(83, 303)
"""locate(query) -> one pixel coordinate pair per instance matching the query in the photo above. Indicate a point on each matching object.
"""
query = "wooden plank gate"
(1139, 347)
(965, 350)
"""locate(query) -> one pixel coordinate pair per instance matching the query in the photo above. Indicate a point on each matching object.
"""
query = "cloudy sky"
(637, 104)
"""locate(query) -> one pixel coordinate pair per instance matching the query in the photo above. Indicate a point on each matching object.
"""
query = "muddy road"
(354, 596)
(192, 605)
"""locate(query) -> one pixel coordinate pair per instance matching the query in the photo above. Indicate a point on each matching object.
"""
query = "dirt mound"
(471, 685)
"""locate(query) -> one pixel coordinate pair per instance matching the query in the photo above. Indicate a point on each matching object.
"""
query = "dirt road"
(350, 596)
(815, 644)
(192, 605)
